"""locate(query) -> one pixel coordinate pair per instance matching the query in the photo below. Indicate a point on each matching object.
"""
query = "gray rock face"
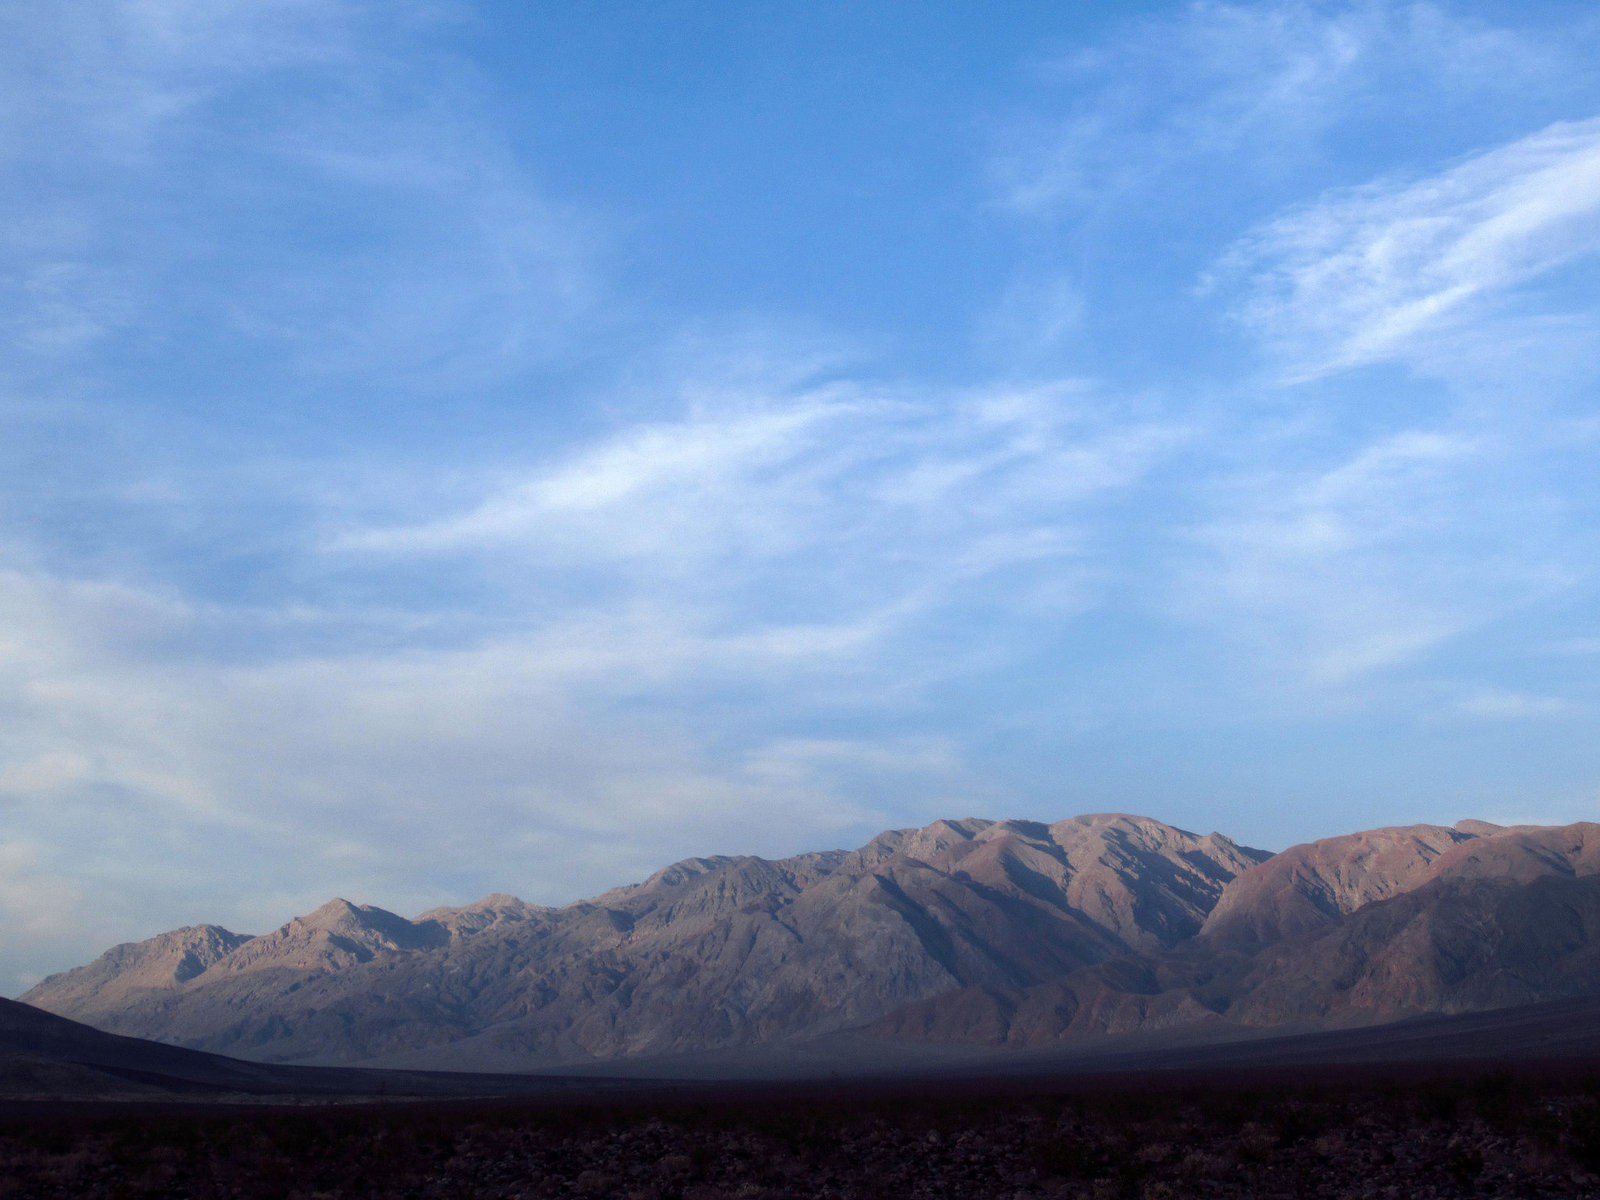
(707, 953)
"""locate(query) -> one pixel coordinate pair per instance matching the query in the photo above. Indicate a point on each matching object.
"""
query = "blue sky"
(459, 447)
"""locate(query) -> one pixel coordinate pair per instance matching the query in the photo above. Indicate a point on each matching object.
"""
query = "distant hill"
(45, 1055)
(974, 932)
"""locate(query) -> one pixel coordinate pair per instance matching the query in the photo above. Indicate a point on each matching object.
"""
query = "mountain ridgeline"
(1010, 933)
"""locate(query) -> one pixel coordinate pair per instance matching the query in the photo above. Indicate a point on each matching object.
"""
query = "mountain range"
(970, 932)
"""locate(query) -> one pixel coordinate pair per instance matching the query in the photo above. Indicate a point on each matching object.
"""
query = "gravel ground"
(1490, 1137)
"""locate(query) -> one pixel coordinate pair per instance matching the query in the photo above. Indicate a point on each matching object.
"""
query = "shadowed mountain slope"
(43, 1053)
(46, 1057)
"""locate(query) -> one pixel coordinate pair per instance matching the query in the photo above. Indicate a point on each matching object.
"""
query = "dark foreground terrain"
(1495, 1133)
(1503, 1104)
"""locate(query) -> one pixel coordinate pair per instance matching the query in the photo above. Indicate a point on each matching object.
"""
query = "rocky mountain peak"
(131, 969)
(493, 911)
(337, 915)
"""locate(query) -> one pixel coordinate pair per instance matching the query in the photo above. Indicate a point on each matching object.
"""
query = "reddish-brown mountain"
(1352, 930)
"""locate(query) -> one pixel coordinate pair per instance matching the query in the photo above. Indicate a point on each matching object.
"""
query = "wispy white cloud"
(648, 488)
(1495, 705)
(897, 494)
(1365, 275)
(367, 225)
(1578, 646)
(1255, 86)
(1335, 571)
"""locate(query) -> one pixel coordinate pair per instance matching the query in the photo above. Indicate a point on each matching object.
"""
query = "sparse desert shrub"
(1330, 1145)
(1538, 1157)
(1256, 1142)
(674, 1167)
(1295, 1123)
(1442, 1101)
(1202, 1164)
(1464, 1165)
(594, 1183)
(1070, 1158)
(1068, 1148)
(1584, 1136)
